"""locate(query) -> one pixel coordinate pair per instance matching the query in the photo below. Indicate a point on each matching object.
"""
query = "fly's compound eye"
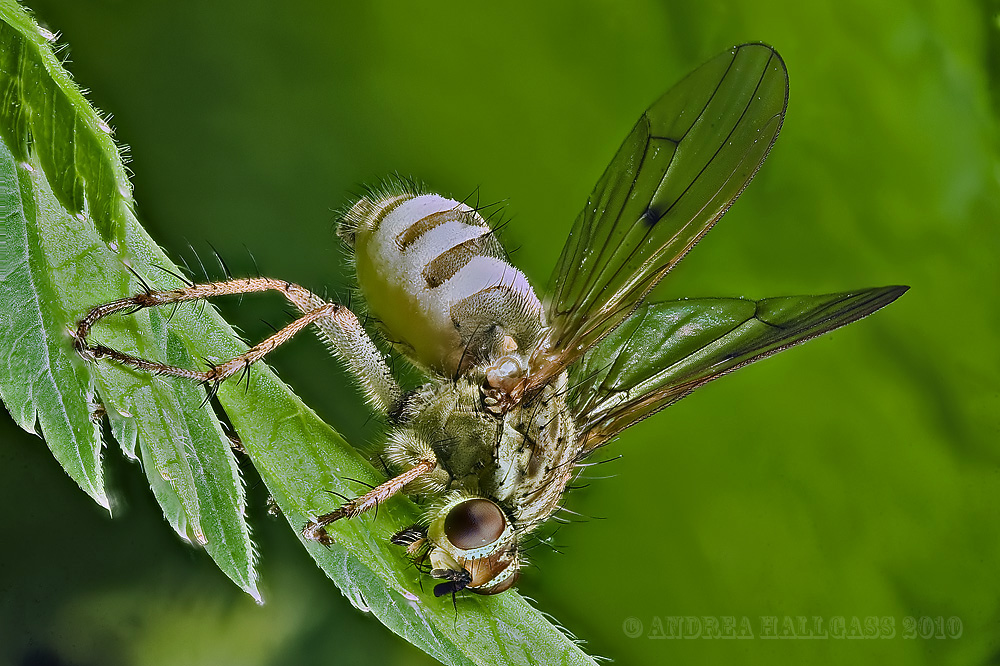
(474, 523)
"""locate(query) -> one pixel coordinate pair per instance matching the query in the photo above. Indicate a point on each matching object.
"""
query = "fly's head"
(470, 544)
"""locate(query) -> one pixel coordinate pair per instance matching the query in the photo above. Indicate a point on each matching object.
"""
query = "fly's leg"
(336, 324)
(315, 530)
(407, 450)
(349, 342)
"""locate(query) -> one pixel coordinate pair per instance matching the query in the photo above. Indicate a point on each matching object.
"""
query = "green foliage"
(55, 265)
(45, 115)
(39, 381)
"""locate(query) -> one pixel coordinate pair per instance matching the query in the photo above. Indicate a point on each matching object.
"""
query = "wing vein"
(638, 174)
(687, 190)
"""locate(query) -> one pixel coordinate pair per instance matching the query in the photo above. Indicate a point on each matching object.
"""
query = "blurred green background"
(856, 476)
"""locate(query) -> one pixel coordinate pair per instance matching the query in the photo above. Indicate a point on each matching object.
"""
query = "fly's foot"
(315, 531)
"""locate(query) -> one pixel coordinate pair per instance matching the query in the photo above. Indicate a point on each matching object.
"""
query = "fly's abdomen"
(434, 274)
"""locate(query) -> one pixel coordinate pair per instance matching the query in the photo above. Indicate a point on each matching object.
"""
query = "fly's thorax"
(522, 459)
(497, 476)
(449, 417)
(432, 271)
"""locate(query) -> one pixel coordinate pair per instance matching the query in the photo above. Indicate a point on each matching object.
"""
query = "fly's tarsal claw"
(314, 531)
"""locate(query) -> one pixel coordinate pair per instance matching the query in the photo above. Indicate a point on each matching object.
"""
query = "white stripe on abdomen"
(415, 308)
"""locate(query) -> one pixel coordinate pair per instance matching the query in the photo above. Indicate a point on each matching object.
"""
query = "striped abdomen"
(434, 274)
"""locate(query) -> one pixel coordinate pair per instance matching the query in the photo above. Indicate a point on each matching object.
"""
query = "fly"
(520, 390)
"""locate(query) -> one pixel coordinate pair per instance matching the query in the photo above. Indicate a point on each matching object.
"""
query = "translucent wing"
(685, 162)
(666, 350)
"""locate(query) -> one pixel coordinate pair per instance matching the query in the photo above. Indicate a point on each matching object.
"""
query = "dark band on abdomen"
(413, 232)
(443, 267)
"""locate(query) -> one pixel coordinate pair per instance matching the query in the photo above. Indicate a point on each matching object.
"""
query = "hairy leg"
(336, 323)
(315, 530)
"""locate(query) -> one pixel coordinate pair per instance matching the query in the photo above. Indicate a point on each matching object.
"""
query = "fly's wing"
(666, 350)
(685, 162)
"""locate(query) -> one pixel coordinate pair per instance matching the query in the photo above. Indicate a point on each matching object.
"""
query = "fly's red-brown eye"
(474, 523)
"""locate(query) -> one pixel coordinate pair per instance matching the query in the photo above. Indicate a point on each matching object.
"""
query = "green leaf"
(43, 112)
(39, 380)
(175, 451)
(180, 442)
